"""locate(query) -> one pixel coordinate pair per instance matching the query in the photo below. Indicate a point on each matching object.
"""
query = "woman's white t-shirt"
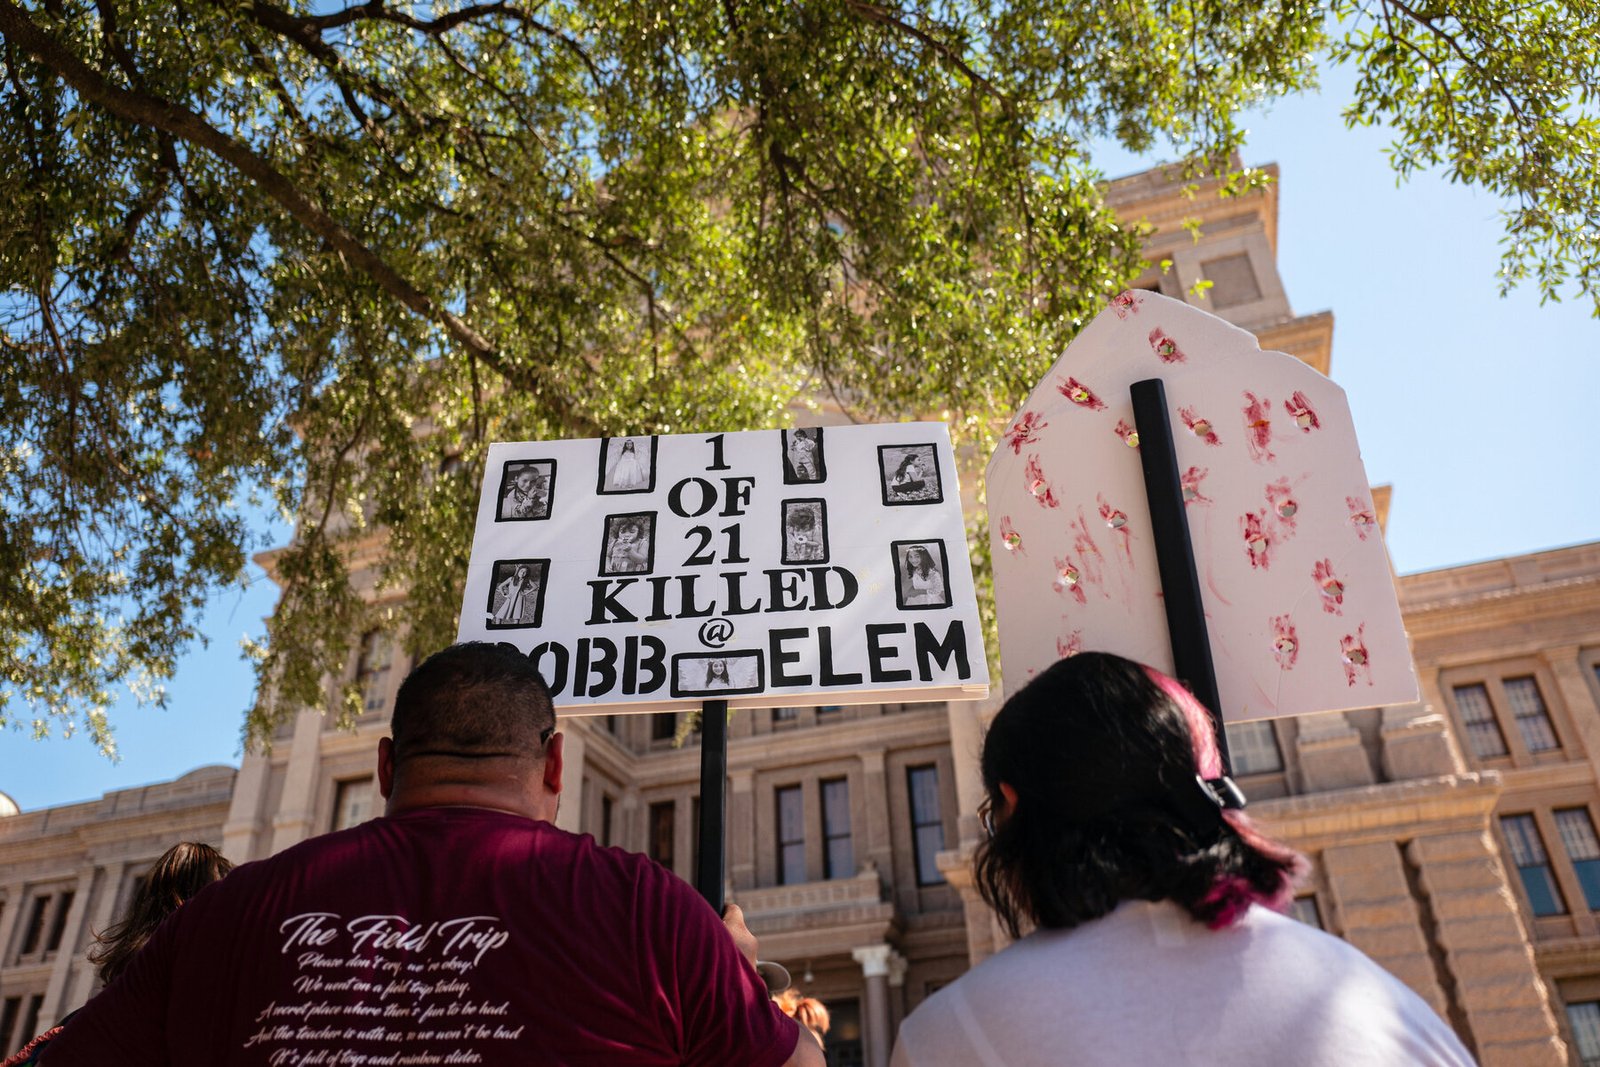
(1149, 985)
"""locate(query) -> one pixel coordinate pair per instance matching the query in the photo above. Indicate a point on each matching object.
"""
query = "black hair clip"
(1224, 792)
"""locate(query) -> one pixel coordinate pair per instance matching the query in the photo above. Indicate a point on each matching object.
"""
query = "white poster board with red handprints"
(773, 568)
(1298, 595)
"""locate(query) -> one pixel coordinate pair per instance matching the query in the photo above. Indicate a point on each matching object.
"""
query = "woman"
(924, 583)
(1152, 901)
(181, 872)
(513, 598)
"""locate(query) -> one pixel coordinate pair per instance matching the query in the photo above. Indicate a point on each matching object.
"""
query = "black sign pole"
(713, 828)
(1180, 582)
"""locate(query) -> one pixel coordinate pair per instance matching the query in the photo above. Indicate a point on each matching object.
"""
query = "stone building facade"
(1452, 840)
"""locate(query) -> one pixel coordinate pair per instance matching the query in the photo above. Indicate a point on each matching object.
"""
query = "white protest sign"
(770, 568)
(1298, 596)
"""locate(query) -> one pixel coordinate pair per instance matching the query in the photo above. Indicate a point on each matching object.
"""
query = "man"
(461, 928)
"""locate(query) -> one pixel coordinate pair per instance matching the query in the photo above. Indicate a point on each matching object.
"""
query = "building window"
(1578, 837)
(1305, 909)
(830, 713)
(845, 1048)
(352, 803)
(785, 717)
(30, 1019)
(659, 847)
(663, 726)
(1477, 715)
(1233, 281)
(1584, 1018)
(1533, 721)
(927, 827)
(838, 854)
(372, 670)
(1533, 864)
(8, 1023)
(791, 836)
(34, 932)
(1253, 748)
(58, 927)
(605, 819)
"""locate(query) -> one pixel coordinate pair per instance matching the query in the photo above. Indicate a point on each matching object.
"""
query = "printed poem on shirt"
(379, 990)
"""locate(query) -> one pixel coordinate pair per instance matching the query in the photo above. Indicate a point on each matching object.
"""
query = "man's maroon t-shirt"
(440, 936)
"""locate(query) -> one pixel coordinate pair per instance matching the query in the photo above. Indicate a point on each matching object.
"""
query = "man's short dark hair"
(474, 699)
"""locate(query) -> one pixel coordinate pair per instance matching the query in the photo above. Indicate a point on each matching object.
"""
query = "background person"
(461, 927)
(809, 1012)
(181, 872)
(1155, 939)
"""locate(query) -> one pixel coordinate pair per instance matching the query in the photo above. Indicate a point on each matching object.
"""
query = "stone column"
(1417, 740)
(14, 892)
(51, 1010)
(875, 800)
(629, 833)
(985, 936)
(742, 828)
(569, 816)
(105, 909)
(240, 829)
(966, 746)
(1506, 1005)
(875, 1025)
(1331, 754)
(292, 822)
(1379, 915)
(1574, 689)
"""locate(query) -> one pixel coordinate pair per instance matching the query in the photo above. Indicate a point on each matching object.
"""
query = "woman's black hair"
(926, 567)
(1103, 756)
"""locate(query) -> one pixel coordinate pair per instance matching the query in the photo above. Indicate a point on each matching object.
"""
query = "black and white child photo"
(630, 544)
(805, 531)
(921, 568)
(525, 490)
(627, 465)
(516, 593)
(910, 474)
(803, 463)
(716, 673)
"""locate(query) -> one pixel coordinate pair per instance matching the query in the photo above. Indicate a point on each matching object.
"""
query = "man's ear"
(385, 766)
(552, 764)
(1010, 793)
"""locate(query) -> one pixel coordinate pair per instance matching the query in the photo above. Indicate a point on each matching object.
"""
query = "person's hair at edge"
(472, 700)
(1103, 753)
(181, 872)
(807, 1011)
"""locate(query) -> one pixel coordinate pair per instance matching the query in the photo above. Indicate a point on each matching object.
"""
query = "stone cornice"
(1383, 812)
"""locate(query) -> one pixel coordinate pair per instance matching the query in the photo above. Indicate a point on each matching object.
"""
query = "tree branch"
(147, 109)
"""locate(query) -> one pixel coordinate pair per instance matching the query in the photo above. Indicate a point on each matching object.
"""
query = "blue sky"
(1477, 409)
